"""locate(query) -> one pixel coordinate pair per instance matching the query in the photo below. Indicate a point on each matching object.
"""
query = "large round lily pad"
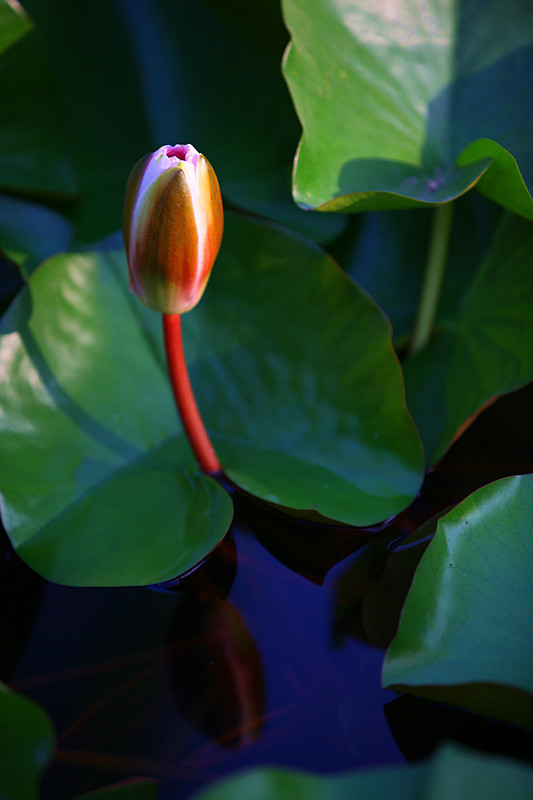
(409, 103)
(295, 375)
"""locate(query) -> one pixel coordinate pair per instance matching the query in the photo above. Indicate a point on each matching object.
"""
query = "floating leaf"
(107, 492)
(295, 376)
(465, 632)
(472, 775)
(298, 382)
(26, 746)
(483, 348)
(412, 103)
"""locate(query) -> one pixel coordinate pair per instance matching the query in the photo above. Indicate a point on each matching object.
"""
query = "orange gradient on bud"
(172, 225)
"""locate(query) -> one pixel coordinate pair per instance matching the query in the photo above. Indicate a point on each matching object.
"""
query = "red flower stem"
(184, 396)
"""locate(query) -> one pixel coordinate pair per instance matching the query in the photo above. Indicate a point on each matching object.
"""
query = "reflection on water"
(214, 670)
(269, 653)
(128, 678)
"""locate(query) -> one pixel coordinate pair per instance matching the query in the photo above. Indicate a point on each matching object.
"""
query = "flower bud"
(172, 226)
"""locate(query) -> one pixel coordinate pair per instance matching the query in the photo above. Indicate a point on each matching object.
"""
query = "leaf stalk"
(436, 263)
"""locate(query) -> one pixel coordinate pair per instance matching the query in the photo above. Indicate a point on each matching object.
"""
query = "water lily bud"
(172, 225)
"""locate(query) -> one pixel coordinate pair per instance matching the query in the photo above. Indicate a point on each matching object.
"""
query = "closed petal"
(165, 259)
(130, 198)
(173, 221)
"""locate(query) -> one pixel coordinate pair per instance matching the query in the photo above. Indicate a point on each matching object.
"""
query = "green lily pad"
(472, 775)
(298, 382)
(483, 348)
(295, 376)
(14, 23)
(407, 105)
(465, 632)
(106, 492)
(26, 746)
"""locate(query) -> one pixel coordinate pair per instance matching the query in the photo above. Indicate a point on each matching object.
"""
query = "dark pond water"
(269, 653)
